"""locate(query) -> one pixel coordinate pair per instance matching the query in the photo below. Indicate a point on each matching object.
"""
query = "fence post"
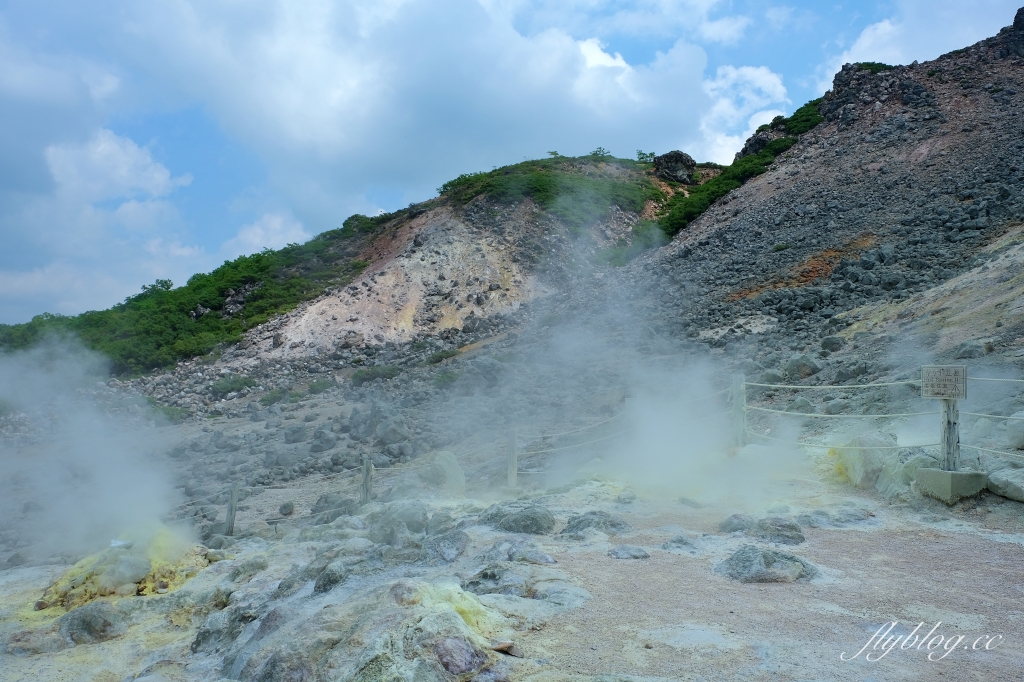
(513, 460)
(367, 487)
(950, 435)
(229, 521)
(739, 410)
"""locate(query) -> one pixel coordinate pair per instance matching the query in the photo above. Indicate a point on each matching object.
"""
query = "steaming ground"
(645, 541)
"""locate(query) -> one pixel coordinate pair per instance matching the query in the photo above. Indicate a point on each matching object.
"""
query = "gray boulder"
(753, 564)
(533, 520)
(847, 372)
(736, 522)
(833, 343)
(1015, 431)
(801, 366)
(333, 575)
(92, 623)
(676, 166)
(295, 434)
(446, 547)
(777, 529)
(392, 430)
(1008, 483)
(323, 440)
(598, 520)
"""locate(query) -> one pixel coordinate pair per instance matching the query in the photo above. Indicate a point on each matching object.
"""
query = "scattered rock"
(598, 520)
(833, 343)
(628, 552)
(446, 547)
(92, 623)
(753, 564)
(676, 166)
(518, 517)
(778, 530)
(1015, 431)
(1008, 483)
(736, 522)
(801, 366)
(286, 509)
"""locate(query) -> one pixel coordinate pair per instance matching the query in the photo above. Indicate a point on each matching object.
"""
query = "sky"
(154, 140)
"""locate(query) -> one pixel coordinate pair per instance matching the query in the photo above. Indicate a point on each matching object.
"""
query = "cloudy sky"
(145, 140)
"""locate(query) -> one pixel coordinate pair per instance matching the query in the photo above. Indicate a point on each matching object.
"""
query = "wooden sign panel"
(944, 381)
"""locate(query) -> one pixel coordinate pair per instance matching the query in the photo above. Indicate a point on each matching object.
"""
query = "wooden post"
(229, 522)
(739, 410)
(950, 426)
(513, 460)
(367, 489)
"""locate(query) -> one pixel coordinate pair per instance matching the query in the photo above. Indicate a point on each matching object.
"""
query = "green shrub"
(683, 210)
(232, 383)
(158, 326)
(803, 119)
(273, 396)
(320, 385)
(445, 379)
(874, 67)
(781, 247)
(361, 376)
(441, 355)
(172, 415)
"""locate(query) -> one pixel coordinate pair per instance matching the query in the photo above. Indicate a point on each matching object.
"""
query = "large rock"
(1015, 431)
(736, 522)
(295, 434)
(862, 459)
(675, 165)
(1008, 483)
(752, 564)
(801, 366)
(446, 547)
(519, 518)
(444, 472)
(391, 431)
(598, 520)
(777, 529)
(323, 440)
(92, 623)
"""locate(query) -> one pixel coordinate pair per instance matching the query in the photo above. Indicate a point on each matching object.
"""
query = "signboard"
(944, 381)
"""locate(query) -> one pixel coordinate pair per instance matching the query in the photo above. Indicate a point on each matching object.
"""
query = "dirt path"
(672, 616)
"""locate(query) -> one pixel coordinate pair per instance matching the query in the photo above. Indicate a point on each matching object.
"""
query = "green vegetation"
(161, 325)
(781, 247)
(874, 67)
(319, 386)
(804, 118)
(232, 383)
(578, 191)
(644, 157)
(683, 210)
(361, 376)
(441, 355)
(445, 379)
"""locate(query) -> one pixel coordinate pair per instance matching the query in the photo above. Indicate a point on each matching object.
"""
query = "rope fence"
(738, 407)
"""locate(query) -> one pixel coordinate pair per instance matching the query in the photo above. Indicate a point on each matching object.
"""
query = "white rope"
(1011, 381)
(994, 452)
(566, 433)
(842, 416)
(891, 383)
(842, 447)
(992, 416)
(569, 447)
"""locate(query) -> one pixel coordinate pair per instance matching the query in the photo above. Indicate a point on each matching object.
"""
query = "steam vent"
(747, 409)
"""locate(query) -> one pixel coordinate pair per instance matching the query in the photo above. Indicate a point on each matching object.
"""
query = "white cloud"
(921, 30)
(109, 167)
(271, 231)
(742, 96)
(725, 30)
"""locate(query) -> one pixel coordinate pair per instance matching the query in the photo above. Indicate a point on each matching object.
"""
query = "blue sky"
(146, 140)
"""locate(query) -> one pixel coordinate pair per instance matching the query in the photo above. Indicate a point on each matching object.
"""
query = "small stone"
(599, 520)
(287, 509)
(777, 529)
(628, 552)
(833, 343)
